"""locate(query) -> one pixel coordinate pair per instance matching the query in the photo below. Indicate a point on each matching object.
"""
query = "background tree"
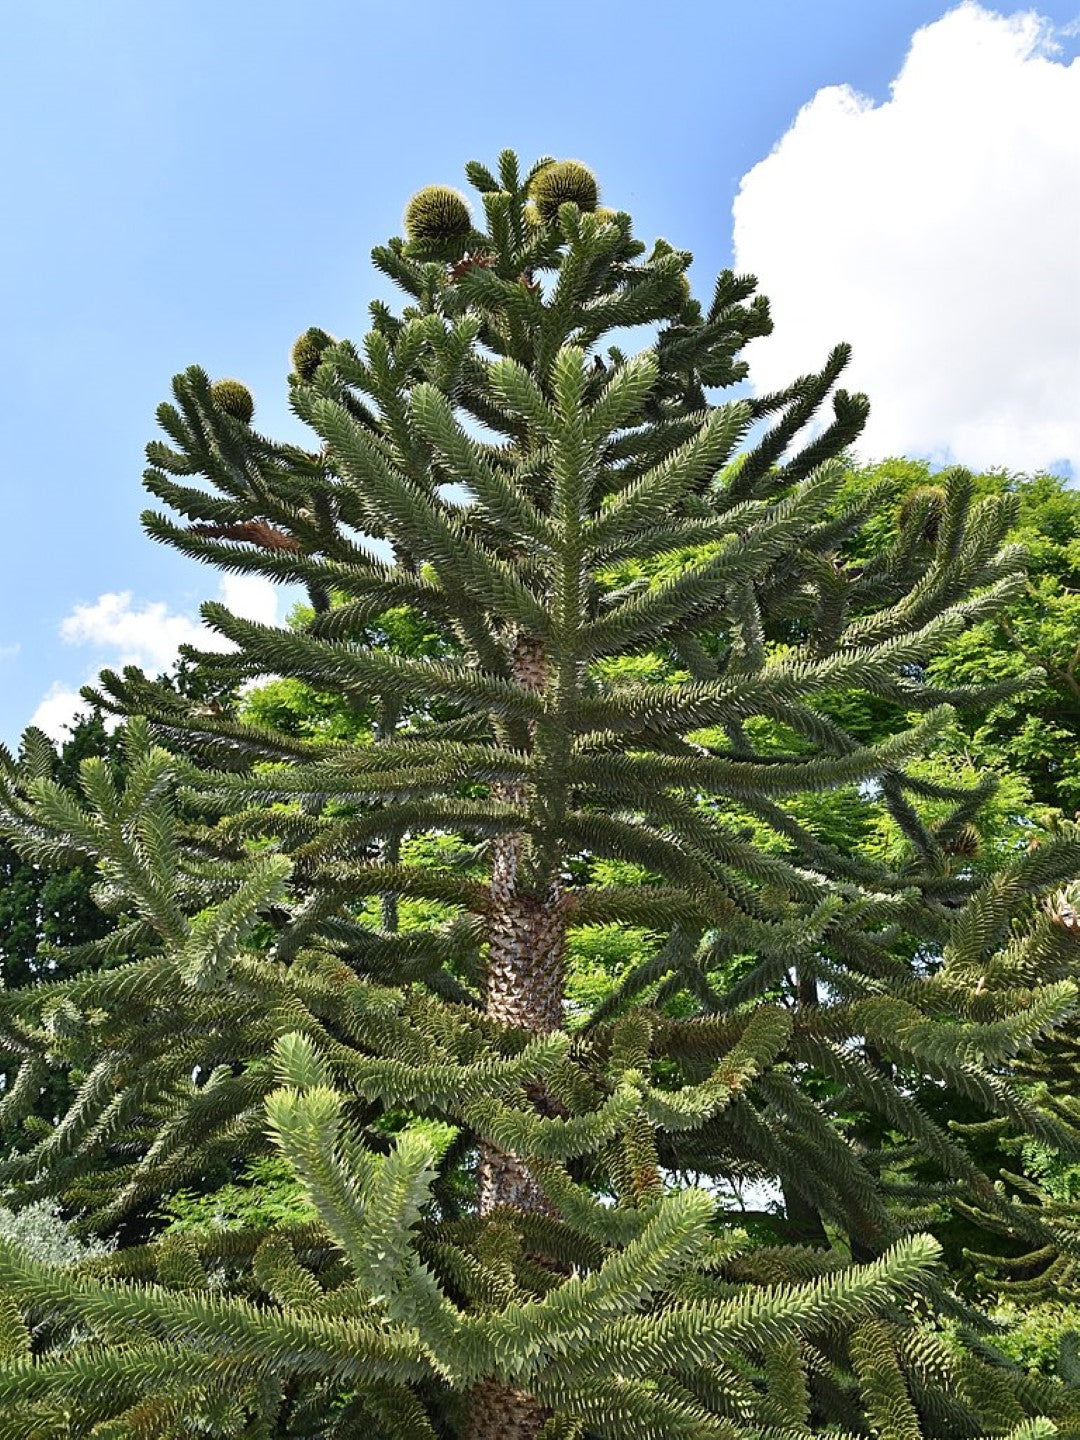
(506, 1241)
(46, 915)
(51, 919)
(1028, 741)
(1031, 733)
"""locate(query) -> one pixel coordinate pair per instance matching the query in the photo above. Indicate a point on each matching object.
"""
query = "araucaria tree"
(639, 622)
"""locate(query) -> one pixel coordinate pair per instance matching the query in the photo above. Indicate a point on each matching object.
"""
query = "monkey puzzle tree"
(636, 638)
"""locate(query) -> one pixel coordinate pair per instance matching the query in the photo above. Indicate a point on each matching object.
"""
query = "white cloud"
(137, 634)
(129, 632)
(149, 635)
(938, 232)
(58, 709)
(252, 597)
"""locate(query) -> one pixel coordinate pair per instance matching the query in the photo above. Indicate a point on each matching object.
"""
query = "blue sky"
(196, 182)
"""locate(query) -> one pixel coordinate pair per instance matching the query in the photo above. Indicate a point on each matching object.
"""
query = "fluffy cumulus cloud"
(56, 710)
(122, 631)
(939, 233)
(146, 635)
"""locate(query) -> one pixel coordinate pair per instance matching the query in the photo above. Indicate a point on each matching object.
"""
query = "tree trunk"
(805, 1225)
(524, 988)
(499, 1412)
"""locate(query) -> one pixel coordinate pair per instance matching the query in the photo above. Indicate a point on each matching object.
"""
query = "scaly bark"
(526, 944)
(524, 988)
(499, 1412)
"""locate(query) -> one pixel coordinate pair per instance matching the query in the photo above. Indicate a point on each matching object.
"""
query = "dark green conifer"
(46, 914)
(643, 637)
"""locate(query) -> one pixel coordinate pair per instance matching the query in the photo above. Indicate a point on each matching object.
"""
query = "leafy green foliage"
(1032, 731)
(265, 1195)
